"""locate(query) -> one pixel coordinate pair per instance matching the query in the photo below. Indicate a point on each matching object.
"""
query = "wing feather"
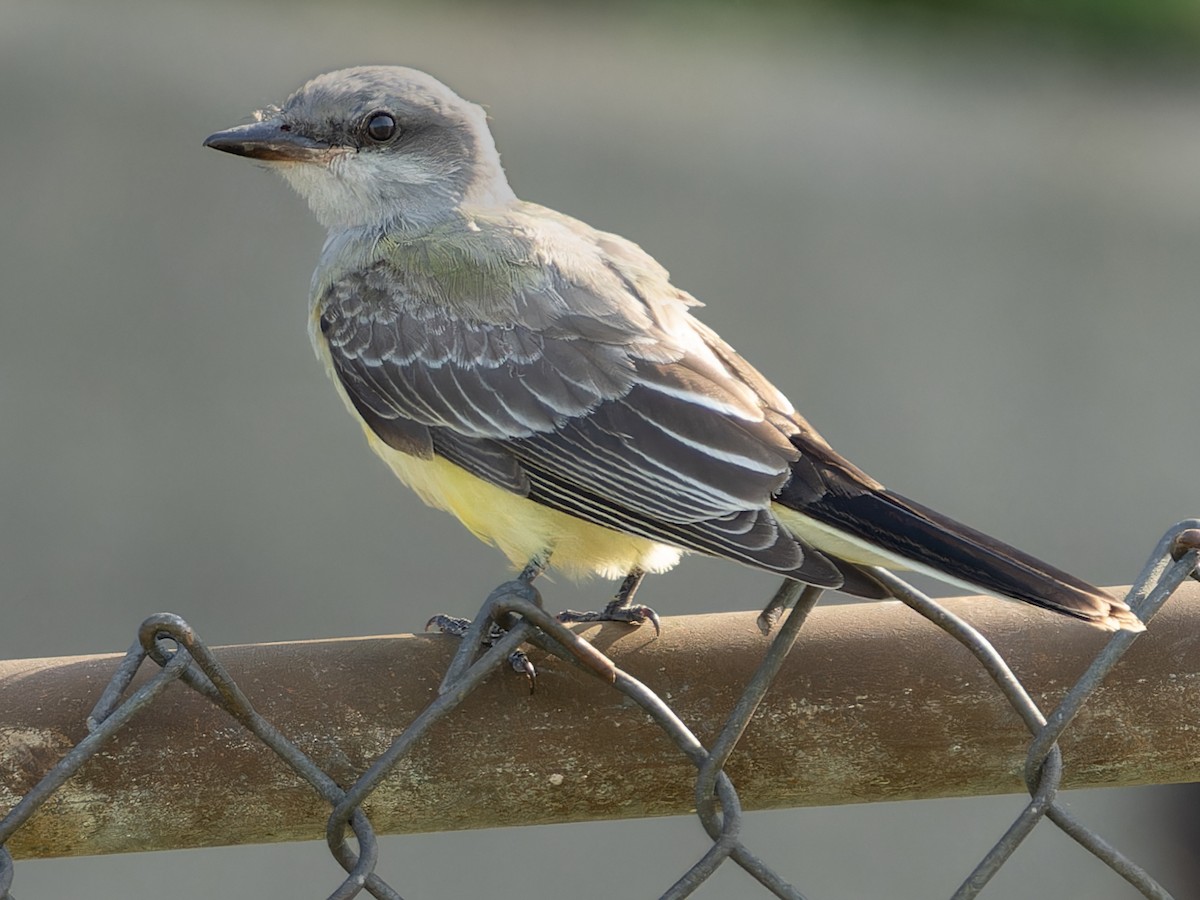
(638, 423)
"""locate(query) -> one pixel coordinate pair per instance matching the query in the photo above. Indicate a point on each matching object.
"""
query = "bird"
(546, 383)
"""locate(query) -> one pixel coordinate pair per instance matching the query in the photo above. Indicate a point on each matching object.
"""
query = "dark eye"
(381, 127)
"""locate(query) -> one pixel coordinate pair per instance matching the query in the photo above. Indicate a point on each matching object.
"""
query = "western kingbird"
(547, 384)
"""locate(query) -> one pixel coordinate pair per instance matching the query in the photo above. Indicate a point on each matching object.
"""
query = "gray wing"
(652, 427)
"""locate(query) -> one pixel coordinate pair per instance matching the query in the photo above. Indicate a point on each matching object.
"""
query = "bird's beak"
(271, 141)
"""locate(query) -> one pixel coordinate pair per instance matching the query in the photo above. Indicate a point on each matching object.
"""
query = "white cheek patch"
(353, 187)
(371, 168)
(326, 195)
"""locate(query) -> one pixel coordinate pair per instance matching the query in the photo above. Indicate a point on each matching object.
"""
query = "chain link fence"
(171, 644)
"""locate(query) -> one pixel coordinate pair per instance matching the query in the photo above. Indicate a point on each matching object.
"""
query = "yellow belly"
(521, 528)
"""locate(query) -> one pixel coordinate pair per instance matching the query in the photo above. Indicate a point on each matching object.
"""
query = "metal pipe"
(873, 704)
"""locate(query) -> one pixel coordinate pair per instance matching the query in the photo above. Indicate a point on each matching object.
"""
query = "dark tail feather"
(932, 541)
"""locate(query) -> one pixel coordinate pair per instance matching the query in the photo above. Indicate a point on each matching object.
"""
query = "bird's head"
(377, 146)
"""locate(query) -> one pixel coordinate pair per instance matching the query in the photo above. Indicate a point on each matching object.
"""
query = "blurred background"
(964, 243)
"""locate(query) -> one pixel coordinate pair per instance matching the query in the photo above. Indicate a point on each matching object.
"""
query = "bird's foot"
(632, 615)
(457, 627)
(520, 588)
(519, 599)
(621, 608)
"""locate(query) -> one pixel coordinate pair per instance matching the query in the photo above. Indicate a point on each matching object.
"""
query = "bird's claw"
(520, 663)
(630, 615)
(620, 609)
(455, 626)
(452, 625)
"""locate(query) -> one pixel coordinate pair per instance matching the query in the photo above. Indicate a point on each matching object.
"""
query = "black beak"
(270, 140)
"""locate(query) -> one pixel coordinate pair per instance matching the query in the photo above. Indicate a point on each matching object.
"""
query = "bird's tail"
(878, 527)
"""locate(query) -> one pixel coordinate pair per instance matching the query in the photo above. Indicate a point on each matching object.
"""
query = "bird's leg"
(522, 586)
(621, 608)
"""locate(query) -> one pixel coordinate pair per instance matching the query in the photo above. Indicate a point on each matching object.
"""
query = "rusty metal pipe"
(873, 704)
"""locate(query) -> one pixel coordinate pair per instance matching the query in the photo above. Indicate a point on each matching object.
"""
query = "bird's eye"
(381, 127)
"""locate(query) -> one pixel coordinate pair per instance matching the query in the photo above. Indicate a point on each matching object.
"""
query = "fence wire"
(169, 642)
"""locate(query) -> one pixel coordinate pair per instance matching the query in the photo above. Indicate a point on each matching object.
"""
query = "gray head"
(377, 145)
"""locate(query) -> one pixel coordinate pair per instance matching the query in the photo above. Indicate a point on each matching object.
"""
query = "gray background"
(968, 256)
